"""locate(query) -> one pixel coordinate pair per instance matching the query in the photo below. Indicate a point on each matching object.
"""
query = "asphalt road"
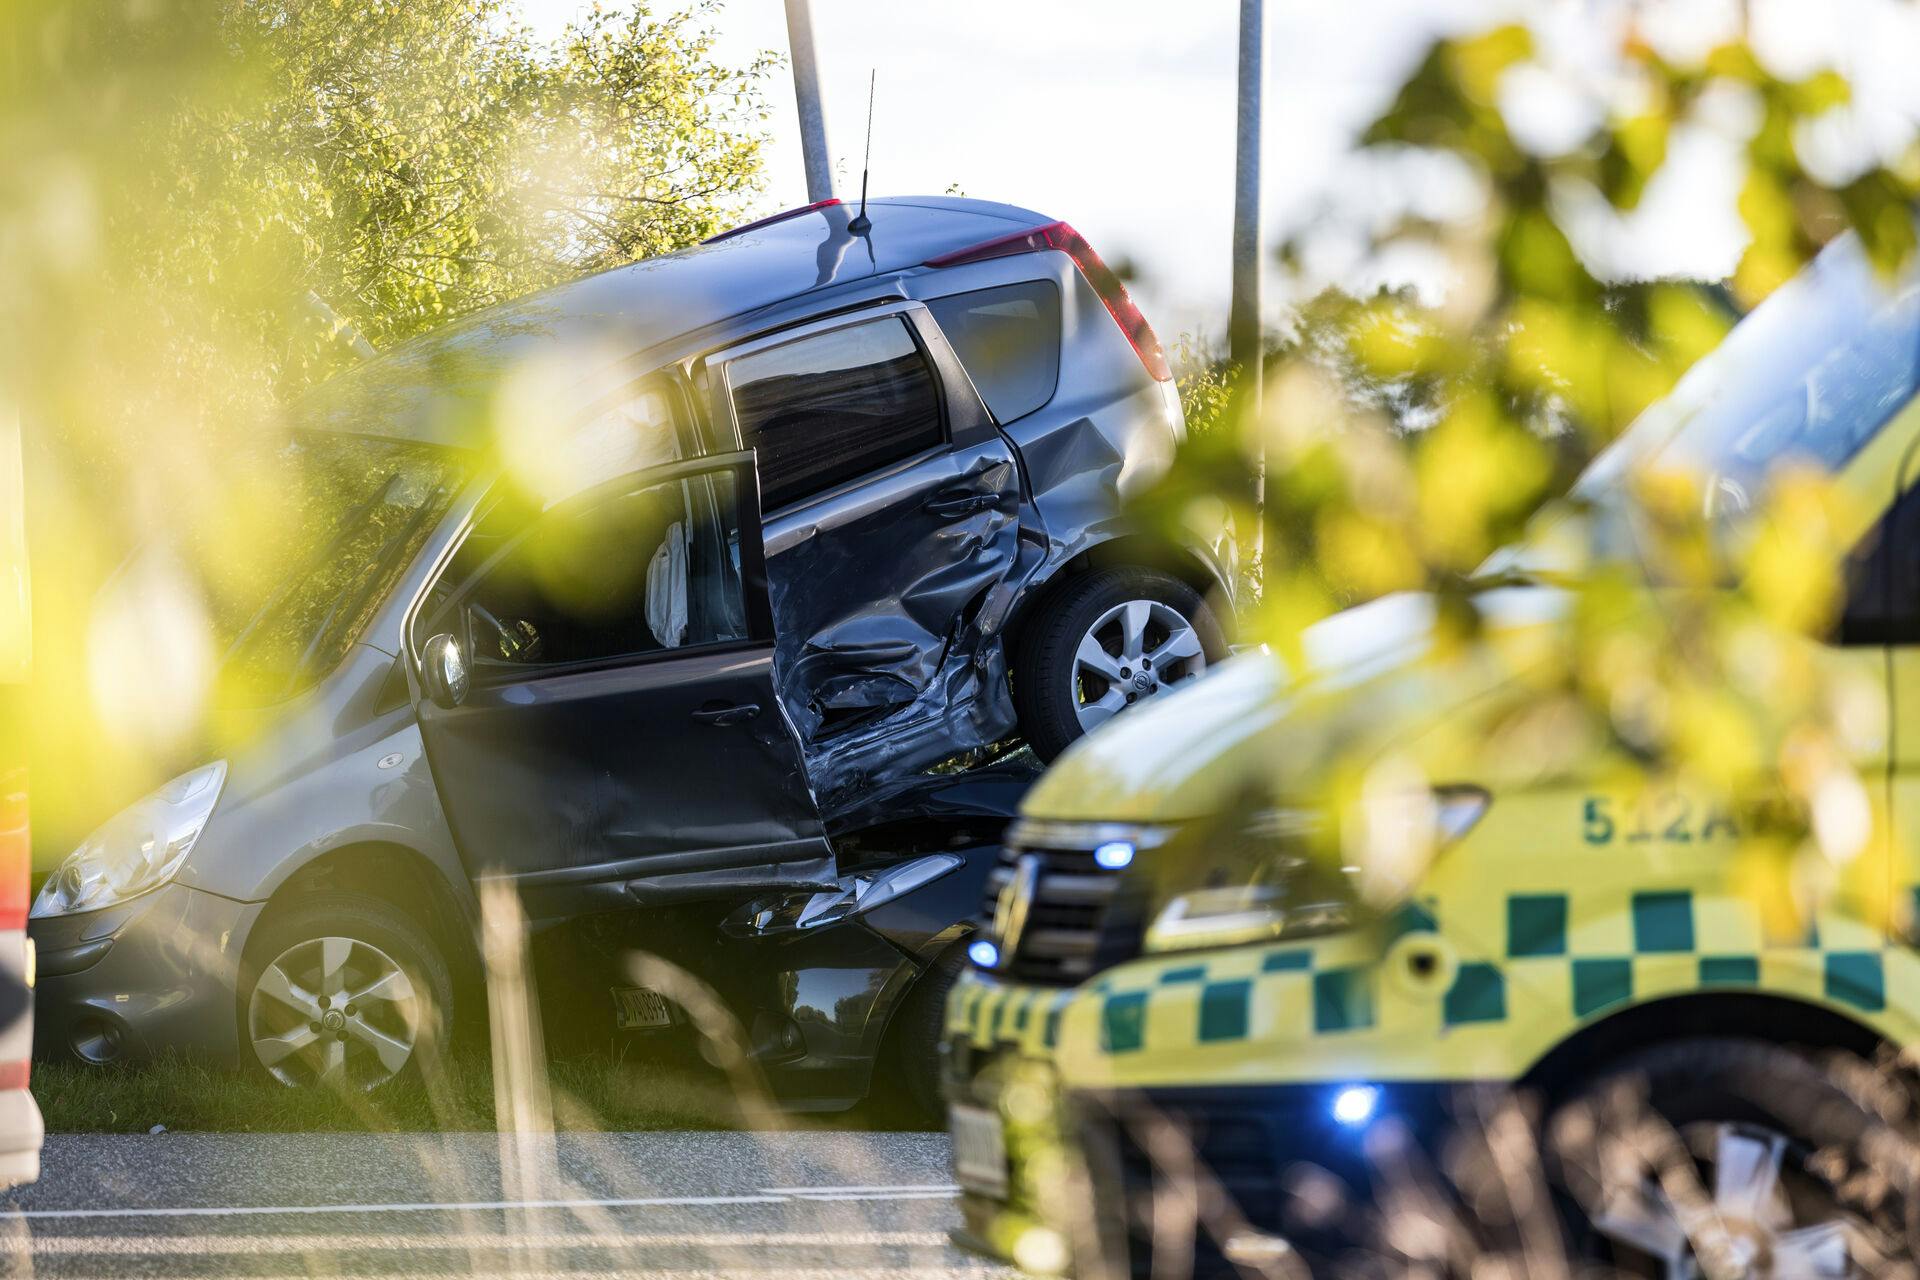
(796, 1206)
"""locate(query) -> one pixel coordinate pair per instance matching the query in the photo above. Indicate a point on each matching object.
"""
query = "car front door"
(893, 537)
(617, 731)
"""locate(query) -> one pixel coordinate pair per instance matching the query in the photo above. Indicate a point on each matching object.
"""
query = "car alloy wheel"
(336, 1011)
(1754, 1218)
(1135, 650)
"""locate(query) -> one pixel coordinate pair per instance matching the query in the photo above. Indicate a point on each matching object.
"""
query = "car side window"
(628, 572)
(1882, 604)
(1009, 340)
(821, 410)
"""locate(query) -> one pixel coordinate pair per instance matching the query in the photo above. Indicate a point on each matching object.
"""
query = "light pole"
(1243, 320)
(806, 94)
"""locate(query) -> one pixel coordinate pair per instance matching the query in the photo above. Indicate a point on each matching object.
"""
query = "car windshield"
(348, 514)
(1808, 378)
(1812, 375)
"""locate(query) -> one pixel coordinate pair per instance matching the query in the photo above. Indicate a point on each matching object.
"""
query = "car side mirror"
(443, 671)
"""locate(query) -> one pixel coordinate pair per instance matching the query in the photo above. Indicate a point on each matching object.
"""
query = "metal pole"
(1243, 323)
(806, 94)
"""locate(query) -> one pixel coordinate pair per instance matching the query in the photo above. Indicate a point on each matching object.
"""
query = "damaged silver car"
(721, 605)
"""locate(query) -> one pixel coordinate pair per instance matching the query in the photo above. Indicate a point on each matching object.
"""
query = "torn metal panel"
(618, 891)
(906, 812)
(847, 898)
(881, 758)
(845, 650)
(890, 601)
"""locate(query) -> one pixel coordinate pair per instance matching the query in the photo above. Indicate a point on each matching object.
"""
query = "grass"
(179, 1093)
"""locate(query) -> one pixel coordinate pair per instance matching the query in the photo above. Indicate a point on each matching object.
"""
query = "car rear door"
(621, 736)
(893, 535)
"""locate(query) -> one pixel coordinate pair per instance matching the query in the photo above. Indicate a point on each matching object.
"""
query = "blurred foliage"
(209, 205)
(1408, 436)
(254, 174)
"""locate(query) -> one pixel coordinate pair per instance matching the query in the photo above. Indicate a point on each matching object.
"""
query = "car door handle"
(737, 713)
(955, 505)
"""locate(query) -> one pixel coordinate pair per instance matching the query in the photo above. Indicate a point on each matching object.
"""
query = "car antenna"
(861, 223)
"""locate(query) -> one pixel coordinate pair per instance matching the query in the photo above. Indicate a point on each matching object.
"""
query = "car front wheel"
(344, 992)
(1109, 640)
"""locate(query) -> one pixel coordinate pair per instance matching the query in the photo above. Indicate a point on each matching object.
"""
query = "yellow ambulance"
(1203, 1036)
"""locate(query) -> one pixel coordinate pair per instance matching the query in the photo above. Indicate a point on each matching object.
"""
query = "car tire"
(1059, 696)
(1753, 1130)
(911, 1065)
(387, 1016)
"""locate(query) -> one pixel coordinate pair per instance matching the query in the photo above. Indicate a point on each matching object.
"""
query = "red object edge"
(1111, 290)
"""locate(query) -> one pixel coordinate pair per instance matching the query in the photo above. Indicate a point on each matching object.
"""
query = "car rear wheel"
(347, 993)
(1109, 640)
(1720, 1157)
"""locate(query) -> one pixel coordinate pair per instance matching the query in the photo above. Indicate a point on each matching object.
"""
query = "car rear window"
(1009, 340)
(824, 409)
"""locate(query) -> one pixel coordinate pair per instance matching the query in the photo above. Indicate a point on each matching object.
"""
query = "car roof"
(438, 387)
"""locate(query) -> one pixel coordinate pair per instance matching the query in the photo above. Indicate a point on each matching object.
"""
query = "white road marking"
(845, 1197)
(369, 1243)
(813, 1194)
(948, 1188)
(961, 1270)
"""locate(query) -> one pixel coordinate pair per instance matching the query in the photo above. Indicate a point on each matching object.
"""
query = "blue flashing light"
(983, 953)
(1355, 1104)
(1114, 854)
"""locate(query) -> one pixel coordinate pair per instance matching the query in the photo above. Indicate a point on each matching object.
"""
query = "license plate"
(979, 1150)
(639, 1009)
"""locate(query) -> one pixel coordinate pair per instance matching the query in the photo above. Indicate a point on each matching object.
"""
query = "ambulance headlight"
(1258, 881)
(1456, 811)
(1281, 875)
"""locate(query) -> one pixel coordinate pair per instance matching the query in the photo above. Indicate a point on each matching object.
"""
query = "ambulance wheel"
(1103, 642)
(1722, 1157)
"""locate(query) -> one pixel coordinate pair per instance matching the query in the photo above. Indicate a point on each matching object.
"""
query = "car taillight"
(768, 221)
(1120, 305)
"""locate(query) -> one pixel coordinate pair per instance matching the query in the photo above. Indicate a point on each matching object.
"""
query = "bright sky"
(1117, 115)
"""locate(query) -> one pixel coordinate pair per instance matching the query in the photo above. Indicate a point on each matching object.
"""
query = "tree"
(402, 163)
(1411, 437)
(210, 204)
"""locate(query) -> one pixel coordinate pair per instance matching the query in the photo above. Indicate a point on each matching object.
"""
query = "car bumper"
(997, 1060)
(817, 1008)
(126, 983)
(1239, 1176)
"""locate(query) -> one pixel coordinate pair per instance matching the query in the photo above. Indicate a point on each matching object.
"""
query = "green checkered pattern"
(1669, 922)
(1330, 987)
(1340, 995)
(984, 1012)
(1540, 950)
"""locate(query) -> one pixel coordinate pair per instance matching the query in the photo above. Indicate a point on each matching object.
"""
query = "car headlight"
(139, 849)
(1278, 876)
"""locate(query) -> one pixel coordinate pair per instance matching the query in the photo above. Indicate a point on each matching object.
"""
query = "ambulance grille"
(1080, 919)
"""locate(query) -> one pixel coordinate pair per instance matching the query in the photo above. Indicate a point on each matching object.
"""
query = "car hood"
(1374, 678)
